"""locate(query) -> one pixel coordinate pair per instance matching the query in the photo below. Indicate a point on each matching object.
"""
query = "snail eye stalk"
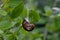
(27, 26)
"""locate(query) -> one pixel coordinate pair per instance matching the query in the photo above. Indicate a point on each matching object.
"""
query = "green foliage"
(34, 16)
(11, 16)
(3, 13)
(17, 10)
(48, 11)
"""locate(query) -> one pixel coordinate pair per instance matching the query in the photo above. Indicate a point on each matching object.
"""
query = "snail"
(27, 26)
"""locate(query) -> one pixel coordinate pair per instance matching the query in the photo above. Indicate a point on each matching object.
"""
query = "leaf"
(34, 16)
(24, 13)
(6, 24)
(10, 4)
(1, 31)
(17, 11)
(3, 1)
(48, 10)
(3, 13)
(9, 37)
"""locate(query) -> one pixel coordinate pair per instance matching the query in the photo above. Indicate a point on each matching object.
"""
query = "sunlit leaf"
(3, 13)
(34, 16)
(48, 10)
(9, 5)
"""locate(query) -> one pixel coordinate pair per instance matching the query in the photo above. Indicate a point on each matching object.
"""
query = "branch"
(46, 29)
(49, 21)
(4, 4)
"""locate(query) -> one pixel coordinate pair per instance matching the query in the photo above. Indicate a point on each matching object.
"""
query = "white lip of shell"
(27, 19)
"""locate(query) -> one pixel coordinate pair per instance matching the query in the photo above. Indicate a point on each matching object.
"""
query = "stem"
(46, 29)
(48, 24)
(27, 13)
(27, 7)
(4, 3)
(45, 34)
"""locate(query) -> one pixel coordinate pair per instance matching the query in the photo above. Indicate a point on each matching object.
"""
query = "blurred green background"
(12, 13)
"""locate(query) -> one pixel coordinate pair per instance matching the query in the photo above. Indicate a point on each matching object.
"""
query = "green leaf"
(17, 11)
(10, 4)
(1, 31)
(24, 13)
(34, 16)
(3, 13)
(9, 37)
(3, 1)
(5, 24)
(48, 10)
